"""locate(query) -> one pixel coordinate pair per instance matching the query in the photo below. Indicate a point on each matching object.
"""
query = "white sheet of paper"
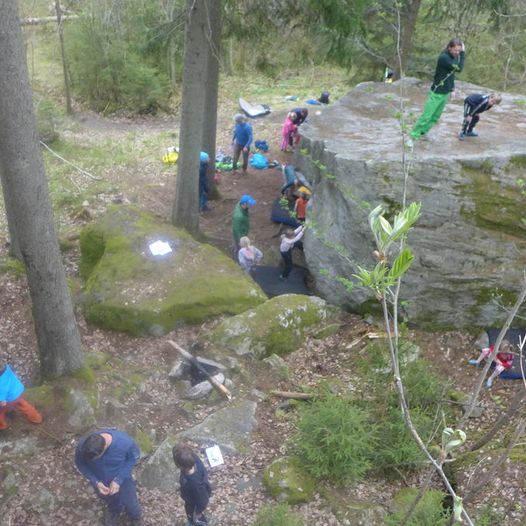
(215, 458)
(160, 248)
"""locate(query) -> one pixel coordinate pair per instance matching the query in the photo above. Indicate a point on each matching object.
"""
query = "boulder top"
(363, 125)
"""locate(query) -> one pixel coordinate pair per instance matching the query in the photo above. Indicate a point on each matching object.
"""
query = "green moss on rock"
(287, 481)
(128, 289)
(278, 326)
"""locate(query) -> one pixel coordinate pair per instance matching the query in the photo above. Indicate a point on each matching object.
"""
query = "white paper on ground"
(214, 456)
(159, 248)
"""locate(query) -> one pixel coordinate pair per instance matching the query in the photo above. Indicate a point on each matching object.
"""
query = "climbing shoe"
(472, 134)
(461, 136)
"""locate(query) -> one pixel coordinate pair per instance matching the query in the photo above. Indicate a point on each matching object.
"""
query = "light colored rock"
(469, 243)
(230, 428)
(129, 289)
(82, 415)
(278, 326)
(203, 389)
(42, 502)
(160, 471)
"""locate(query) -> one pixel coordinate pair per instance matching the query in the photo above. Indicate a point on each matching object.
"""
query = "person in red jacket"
(503, 359)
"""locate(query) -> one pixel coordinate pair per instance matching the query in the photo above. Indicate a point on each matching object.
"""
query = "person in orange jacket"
(11, 389)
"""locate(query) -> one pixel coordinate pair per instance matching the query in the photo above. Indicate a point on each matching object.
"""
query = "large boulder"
(129, 289)
(278, 326)
(470, 240)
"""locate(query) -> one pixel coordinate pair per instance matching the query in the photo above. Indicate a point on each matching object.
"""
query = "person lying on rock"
(474, 105)
(195, 488)
(106, 458)
(11, 399)
(503, 359)
(450, 61)
(248, 256)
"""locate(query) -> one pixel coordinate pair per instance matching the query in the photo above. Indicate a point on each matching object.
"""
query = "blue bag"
(259, 161)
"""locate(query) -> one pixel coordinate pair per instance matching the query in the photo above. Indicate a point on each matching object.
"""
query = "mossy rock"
(430, 510)
(278, 326)
(287, 481)
(353, 511)
(128, 289)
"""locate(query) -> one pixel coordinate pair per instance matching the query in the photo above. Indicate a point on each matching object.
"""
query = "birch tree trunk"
(185, 211)
(28, 202)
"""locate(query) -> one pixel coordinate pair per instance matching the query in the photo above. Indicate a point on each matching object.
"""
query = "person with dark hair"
(106, 458)
(195, 488)
(450, 61)
(473, 106)
(241, 141)
(301, 115)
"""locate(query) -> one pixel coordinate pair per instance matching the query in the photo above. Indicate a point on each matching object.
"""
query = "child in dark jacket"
(195, 488)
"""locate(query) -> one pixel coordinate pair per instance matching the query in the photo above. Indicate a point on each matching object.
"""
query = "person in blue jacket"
(241, 141)
(203, 182)
(195, 488)
(106, 458)
(474, 105)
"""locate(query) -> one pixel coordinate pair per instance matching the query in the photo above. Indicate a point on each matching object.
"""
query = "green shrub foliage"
(429, 511)
(278, 515)
(336, 439)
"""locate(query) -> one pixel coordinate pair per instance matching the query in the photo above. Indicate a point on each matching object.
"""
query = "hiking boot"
(472, 134)
(461, 136)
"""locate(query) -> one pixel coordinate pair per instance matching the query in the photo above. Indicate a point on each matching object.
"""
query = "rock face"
(287, 481)
(129, 289)
(469, 243)
(276, 327)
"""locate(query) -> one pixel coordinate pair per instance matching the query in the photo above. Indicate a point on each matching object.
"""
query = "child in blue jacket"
(11, 389)
(195, 488)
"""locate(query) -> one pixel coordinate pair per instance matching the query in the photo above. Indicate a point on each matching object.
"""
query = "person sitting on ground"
(288, 132)
(241, 220)
(248, 256)
(503, 359)
(203, 182)
(289, 240)
(11, 399)
(300, 207)
(194, 486)
(241, 141)
(474, 105)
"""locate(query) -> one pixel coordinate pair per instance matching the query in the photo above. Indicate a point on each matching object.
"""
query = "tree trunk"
(409, 17)
(212, 86)
(67, 91)
(185, 212)
(27, 198)
(14, 248)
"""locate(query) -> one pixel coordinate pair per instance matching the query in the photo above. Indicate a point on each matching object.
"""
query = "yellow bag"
(170, 157)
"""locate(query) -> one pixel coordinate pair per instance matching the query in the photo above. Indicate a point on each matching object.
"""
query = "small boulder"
(278, 326)
(160, 471)
(287, 481)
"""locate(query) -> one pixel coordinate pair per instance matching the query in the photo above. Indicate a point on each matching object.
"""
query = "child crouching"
(195, 488)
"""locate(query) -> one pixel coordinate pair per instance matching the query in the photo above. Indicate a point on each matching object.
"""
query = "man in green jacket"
(450, 61)
(241, 220)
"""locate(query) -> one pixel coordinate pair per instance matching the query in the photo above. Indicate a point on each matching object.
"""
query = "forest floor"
(238, 492)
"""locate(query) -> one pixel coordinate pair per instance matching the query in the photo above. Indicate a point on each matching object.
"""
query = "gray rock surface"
(82, 415)
(470, 240)
(160, 471)
(230, 428)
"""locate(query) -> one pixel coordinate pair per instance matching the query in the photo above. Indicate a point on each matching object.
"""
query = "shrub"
(429, 511)
(398, 448)
(336, 439)
(277, 515)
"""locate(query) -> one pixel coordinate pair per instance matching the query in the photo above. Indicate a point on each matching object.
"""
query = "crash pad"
(254, 110)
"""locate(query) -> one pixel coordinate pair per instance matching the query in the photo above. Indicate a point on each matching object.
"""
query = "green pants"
(433, 108)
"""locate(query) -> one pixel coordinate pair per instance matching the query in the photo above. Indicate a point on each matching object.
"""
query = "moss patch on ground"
(128, 289)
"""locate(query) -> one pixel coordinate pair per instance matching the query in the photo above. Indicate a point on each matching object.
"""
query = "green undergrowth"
(343, 438)
(277, 515)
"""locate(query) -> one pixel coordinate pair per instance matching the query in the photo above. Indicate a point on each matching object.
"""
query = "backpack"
(259, 161)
